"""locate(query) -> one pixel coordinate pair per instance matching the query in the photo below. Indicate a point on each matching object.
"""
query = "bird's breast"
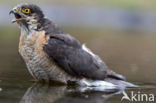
(31, 45)
(38, 63)
(31, 50)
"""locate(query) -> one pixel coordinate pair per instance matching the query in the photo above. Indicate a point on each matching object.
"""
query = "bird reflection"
(41, 93)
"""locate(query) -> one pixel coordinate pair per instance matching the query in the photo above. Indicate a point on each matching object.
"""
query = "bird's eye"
(26, 11)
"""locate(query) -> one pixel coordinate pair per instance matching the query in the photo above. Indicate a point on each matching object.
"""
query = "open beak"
(18, 17)
(11, 12)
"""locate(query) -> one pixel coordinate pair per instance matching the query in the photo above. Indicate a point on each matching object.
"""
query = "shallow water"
(17, 91)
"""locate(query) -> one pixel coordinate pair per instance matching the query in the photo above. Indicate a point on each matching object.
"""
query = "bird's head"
(27, 14)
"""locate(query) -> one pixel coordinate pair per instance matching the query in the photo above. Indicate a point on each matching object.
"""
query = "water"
(129, 53)
(17, 91)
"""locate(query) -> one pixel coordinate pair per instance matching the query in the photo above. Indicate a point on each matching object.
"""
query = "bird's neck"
(48, 26)
(43, 24)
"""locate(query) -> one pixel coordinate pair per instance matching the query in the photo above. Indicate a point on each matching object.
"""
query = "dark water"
(17, 91)
(132, 54)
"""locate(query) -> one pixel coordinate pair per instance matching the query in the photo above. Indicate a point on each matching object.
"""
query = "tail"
(121, 83)
(118, 80)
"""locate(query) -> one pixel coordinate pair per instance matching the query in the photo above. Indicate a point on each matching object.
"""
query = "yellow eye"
(26, 11)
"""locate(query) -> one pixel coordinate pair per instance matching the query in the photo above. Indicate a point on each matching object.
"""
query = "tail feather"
(114, 75)
(121, 83)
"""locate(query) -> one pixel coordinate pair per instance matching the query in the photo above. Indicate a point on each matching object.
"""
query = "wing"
(68, 54)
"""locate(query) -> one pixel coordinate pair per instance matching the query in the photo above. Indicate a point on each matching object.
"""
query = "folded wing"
(76, 59)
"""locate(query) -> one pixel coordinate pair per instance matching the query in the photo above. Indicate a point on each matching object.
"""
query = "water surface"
(17, 91)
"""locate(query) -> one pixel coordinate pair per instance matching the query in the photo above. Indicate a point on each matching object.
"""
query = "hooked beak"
(11, 12)
(18, 17)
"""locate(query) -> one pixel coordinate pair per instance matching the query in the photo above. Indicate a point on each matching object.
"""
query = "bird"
(51, 54)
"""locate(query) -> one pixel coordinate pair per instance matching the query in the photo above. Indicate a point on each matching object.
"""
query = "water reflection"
(40, 93)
